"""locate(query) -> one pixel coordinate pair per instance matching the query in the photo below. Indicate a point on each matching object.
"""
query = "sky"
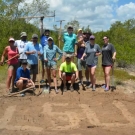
(98, 14)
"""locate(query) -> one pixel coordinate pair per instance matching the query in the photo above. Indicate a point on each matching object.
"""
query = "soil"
(70, 113)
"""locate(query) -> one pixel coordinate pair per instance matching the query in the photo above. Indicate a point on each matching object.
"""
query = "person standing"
(50, 59)
(44, 41)
(11, 52)
(21, 45)
(81, 63)
(70, 40)
(34, 51)
(92, 51)
(108, 58)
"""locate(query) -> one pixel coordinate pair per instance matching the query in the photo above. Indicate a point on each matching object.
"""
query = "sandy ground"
(73, 113)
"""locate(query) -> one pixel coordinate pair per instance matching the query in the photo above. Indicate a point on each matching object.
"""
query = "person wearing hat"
(21, 45)
(92, 51)
(23, 79)
(33, 50)
(108, 58)
(50, 51)
(86, 36)
(68, 71)
(70, 40)
(44, 41)
(11, 52)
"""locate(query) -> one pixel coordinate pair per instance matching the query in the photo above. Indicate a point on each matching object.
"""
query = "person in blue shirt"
(70, 40)
(50, 59)
(44, 41)
(23, 79)
(34, 51)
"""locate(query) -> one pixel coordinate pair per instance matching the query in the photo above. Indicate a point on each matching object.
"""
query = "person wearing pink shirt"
(10, 51)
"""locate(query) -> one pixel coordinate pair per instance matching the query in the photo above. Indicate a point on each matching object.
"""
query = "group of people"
(24, 56)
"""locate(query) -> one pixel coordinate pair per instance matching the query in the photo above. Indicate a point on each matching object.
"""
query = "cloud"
(99, 15)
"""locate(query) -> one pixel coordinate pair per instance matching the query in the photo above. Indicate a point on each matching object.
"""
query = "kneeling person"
(23, 77)
(68, 71)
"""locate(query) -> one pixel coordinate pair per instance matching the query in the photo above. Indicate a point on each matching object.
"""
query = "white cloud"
(99, 15)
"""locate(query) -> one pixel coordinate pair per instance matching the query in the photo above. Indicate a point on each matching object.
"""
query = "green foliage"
(122, 35)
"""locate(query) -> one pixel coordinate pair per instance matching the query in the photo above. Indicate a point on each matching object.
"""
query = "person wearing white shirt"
(21, 45)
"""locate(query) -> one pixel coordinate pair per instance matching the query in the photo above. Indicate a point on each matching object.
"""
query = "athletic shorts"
(13, 66)
(90, 66)
(33, 68)
(81, 64)
(65, 53)
(68, 75)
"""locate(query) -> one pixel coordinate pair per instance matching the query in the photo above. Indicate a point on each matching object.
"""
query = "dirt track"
(87, 113)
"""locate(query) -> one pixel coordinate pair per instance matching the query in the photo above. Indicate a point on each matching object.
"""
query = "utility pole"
(41, 20)
(60, 30)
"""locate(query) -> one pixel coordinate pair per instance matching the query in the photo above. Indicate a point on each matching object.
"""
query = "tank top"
(12, 53)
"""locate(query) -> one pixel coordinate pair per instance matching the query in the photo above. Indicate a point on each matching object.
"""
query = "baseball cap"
(11, 39)
(24, 62)
(50, 38)
(92, 37)
(68, 56)
(23, 34)
(70, 27)
(79, 30)
(34, 36)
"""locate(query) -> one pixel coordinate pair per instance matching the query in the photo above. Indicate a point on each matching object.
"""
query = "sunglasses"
(24, 63)
(92, 39)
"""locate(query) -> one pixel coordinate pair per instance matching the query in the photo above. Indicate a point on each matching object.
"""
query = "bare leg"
(107, 76)
(72, 79)
(80, 75)
(9, 77)
(87, 74)
(64, 79)
(92, 75)
(19, 84)
(48, 71)
(54, 72)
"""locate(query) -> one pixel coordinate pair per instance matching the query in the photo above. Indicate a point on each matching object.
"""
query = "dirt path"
(99, 112)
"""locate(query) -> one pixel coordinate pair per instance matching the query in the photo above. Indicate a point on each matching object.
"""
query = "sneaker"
(64, 89)
(93, 88)
(42, 81)
(71, 88)
(22, 94)
(104, 86)
(89, 86)
(106, 89)
(87, 83)
(56, 91)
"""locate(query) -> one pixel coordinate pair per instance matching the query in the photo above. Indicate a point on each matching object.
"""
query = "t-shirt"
(107, 53)
(21, 73)
(68, 68)
(91, 50)
(43, 40)
(69, 42)
(21, 45)
(33, 58)
(80, 51)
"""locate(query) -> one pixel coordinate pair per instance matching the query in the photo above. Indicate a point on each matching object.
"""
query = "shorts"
(13, 66)
(68, 76)
(71, 53)
(90, 66)
(53, 67)
(33, 68)
(107, 66)
(80, 64)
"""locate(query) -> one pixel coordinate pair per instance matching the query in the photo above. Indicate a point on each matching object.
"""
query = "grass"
(3, 73)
